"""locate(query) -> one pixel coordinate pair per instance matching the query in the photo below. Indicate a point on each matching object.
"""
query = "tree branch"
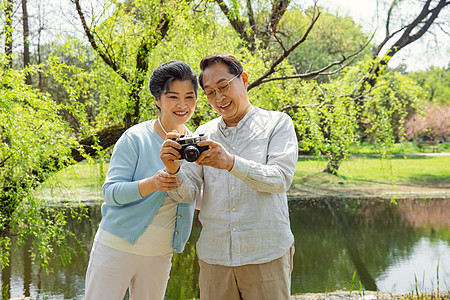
(285, 54)
(425, 18)
(105, 56)
(321, 71)
(239, 26)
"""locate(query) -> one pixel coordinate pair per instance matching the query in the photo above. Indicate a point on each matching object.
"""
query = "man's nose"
(219, 96)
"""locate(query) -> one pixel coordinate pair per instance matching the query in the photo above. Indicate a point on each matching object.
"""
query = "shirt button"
(227, 133)
(233, 209)
(234, 148)
(234, 229)
(174, 249)
(233, 188)
(176, 232)
(179, 217)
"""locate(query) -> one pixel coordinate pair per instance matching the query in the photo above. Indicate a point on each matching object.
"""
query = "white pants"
(110, 272)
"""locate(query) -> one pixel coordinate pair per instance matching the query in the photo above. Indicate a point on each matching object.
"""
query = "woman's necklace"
(162, 127)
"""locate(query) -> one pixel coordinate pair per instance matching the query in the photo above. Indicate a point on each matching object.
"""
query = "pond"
(392, 248)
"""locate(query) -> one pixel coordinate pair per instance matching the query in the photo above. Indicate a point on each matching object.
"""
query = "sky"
(419, 55)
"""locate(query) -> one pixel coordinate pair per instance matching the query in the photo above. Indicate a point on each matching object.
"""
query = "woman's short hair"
(234, 66)
(168, 72)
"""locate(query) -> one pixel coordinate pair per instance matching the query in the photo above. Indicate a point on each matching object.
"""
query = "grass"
(397, 148)
(82, 182)
(78, 183)
(421, 170)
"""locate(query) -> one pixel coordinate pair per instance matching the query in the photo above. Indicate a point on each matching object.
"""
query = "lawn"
(428, 175)
(426, 170)
(368, 176)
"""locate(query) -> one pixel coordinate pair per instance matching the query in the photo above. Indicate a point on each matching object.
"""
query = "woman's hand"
(161, 181)
(169, 153)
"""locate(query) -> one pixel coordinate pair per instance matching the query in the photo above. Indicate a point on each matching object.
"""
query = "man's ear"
(157, 102)
(245, 78)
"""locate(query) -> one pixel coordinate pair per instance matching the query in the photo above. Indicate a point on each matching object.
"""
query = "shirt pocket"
(256, 150)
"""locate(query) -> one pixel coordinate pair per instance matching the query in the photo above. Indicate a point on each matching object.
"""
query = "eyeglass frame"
(221, 89)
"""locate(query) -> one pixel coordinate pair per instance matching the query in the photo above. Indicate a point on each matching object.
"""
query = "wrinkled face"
(231, 103)
(178, 104)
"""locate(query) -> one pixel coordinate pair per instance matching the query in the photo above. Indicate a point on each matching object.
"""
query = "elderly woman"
(141, 226)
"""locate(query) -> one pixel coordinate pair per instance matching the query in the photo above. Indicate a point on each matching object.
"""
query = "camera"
(189, 149)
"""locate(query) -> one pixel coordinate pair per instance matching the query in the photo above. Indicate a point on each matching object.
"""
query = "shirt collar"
(222, 125)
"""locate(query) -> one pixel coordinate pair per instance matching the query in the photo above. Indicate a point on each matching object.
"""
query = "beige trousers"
(270, 281)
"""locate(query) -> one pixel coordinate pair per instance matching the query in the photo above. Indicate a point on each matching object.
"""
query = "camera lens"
(191, 153)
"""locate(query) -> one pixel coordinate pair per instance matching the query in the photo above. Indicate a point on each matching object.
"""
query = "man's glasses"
(222, 87)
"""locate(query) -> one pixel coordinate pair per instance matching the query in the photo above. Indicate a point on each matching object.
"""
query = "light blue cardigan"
(125, 213)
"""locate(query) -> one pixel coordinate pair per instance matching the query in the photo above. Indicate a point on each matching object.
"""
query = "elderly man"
(245, 249)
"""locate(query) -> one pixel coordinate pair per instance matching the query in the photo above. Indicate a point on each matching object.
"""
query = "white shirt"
(156, 239)
(244, 213)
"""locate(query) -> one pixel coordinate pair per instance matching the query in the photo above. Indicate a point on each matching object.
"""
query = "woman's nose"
(182, 103)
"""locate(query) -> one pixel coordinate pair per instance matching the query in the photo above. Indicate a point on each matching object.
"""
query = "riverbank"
(342, 190)
(369, 296)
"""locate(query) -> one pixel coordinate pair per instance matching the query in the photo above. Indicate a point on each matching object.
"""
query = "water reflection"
(389, 246)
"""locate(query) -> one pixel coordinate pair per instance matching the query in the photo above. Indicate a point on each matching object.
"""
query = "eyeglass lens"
(222, 87)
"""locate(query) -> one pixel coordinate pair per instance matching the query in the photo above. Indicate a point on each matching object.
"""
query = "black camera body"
(190, 151)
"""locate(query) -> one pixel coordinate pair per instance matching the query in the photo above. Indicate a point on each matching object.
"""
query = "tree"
(436, 81)
(34, 144)
(260, 34)
(53, 145)
(8, 31)
(26, 47)
(432, 124)
(332, 38)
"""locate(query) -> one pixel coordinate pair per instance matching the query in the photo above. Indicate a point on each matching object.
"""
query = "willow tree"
(34, 144)
(260, 26)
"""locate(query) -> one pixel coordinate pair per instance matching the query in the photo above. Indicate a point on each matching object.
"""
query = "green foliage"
(331, 38)
(329, 117)
(436, 81)
(35, 143)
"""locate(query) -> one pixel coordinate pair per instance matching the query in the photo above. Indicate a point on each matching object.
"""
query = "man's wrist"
(231, 164)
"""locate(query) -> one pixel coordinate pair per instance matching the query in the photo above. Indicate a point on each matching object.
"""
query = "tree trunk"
(334, 163)
(8, 30)
(26, 46)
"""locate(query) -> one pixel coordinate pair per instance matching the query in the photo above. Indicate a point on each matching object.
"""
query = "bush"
(433, 125)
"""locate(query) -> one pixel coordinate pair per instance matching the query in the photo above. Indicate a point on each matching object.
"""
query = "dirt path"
(384, 191)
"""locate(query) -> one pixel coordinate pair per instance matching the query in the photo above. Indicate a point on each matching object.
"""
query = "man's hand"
(169, 153)
(216, 157)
